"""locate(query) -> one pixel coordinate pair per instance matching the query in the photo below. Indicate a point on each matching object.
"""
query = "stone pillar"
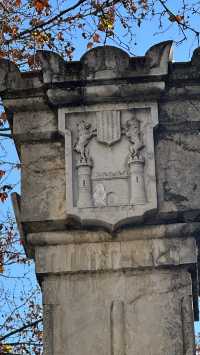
(120, 277)
(84, 185)
(137, 182)
(121, 295)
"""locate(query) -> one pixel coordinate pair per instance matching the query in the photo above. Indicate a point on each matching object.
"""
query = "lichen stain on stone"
(169, 195)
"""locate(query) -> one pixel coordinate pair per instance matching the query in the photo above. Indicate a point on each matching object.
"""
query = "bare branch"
(42, 25)
(13, 332)
(180, 23)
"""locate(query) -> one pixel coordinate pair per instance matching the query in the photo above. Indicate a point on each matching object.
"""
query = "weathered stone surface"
(180, 115)
(176, 230)
(43, 169)
(177, 154)
(104, 62)
(176, 138)
(19, 104)
(12, 79)
(53, 66)
(158, 57)
(130, 313)
(35, 125)
(10, 75)
(116, 255)
(96, 136)
(109, 162)
(196, 57)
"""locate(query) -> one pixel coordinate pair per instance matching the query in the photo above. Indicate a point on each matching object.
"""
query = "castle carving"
(111, 154)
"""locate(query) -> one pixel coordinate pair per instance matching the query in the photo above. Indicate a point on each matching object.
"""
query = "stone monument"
(110, 200)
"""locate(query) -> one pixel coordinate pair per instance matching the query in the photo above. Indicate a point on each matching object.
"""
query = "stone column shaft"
(120, 296)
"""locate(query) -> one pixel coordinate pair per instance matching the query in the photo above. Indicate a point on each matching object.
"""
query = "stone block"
(43, 182)
(34, 125)
(123, 313)
(181, 114)
(177, 156)
(112, 256)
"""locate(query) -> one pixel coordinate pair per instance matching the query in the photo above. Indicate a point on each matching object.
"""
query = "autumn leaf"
(6, 28)
(33, 62)
(40, 5)
(7, 348)
(106, 22)
(144, 4)
(89, 45)
(16, 54)
(3, 196)
(69, 52)
(176, 18)
(18, 3)
(2, 54)
(36, 22)
(134, 8)
(2, 173)
(40, 334)
(3, 116)
(17, 18)
(96, 38)
(41, 37)
(14, 31)
(60, 36)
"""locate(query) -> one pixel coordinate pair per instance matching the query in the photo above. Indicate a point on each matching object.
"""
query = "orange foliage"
(18, 3)
(3, 196)
(41, 5)
(176, 18)
(2, 173)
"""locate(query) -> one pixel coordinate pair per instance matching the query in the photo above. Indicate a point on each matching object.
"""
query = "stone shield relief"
(110, 165)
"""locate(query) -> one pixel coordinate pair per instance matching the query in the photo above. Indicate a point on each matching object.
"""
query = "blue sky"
(149, 34)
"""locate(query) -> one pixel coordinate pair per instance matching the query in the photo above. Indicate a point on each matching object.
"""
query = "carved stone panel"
(108, 126)
(135, 313)
(110, 166)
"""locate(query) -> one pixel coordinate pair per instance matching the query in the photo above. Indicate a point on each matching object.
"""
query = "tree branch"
(13, 332)
(40, 26)
(6, 135)
(181, 24)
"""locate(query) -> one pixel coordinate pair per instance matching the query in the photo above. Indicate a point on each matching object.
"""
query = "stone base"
(119, 295)
(119, 313)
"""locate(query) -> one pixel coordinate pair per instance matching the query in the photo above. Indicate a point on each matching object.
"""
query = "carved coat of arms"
(110, 167)
(108, 127)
